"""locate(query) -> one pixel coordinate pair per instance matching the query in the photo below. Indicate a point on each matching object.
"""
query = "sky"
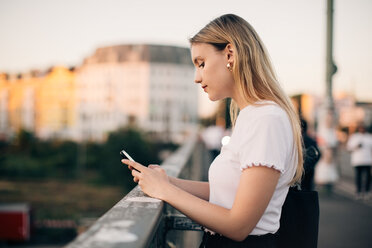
(37, 34)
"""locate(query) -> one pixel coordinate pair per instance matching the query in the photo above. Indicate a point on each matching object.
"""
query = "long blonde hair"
(252, 71)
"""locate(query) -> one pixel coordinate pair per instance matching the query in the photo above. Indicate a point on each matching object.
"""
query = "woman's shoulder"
(263, 110)
(260, 118)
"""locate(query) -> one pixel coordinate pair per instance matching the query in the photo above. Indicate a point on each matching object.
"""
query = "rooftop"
(141, 52)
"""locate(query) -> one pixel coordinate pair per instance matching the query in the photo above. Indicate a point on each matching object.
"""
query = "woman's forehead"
(201, 49)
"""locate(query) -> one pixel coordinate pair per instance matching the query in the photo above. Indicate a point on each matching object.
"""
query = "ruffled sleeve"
(268, 141)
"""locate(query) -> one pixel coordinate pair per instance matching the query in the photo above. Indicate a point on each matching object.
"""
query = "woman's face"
(212, 72)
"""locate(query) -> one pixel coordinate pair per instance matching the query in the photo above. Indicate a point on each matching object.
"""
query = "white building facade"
(4, 122)
(151, 84)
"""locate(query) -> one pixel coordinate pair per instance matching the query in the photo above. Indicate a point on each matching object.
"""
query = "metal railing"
(141, 221)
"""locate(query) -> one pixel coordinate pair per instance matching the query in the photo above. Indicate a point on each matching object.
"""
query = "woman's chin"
(214, 98)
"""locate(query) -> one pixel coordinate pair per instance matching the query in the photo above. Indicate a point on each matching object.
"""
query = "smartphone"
(125, 155)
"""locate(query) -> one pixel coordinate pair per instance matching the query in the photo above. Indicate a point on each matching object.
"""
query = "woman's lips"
(204, 87)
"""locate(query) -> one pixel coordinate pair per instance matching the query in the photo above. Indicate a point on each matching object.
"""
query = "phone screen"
(125, 155)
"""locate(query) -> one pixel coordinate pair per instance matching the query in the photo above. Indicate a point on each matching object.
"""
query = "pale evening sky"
(40, 33)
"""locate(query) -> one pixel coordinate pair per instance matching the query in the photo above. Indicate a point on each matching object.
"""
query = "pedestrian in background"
(240, 205)
(311, 158)
(326, 171)
(360, 146)
(212, 137)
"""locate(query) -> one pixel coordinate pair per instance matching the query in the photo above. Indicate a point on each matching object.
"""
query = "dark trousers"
(218, 241)
(363, 171)
(307, 182)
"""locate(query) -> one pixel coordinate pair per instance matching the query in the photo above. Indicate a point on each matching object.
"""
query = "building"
(308, 107)
(42, 103)
(349, 112)
(20, 97)
(4, 99)
(149, 84)
(55, 104)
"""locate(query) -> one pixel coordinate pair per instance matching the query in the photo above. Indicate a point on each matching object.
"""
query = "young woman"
(248, 182)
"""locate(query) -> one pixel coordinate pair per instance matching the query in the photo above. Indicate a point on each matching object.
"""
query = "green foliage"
(29, 158)
(18, 166)
(106, 158)
(24, 139)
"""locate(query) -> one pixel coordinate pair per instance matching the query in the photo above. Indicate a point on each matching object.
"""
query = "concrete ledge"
(137, 220)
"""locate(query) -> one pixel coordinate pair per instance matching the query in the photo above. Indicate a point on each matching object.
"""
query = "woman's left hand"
(153, 180)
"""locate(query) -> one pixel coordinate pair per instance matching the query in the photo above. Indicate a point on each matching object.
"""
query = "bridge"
(141, 221)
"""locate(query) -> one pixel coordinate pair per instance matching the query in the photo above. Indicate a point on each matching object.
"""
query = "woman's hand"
(153, 180)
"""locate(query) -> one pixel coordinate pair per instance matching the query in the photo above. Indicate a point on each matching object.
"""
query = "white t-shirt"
(262, 137)
(360, 155)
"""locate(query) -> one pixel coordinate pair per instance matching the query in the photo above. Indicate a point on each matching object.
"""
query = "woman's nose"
(197, 78)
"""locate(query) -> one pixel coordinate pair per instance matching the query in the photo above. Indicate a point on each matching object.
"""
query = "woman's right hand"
(153, 179)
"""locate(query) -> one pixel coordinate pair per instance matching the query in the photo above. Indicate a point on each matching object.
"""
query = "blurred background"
(80, 80)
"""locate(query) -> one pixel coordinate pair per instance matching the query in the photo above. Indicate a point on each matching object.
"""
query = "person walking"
(326, 170)
(360, 146)
(311, 158)
(240, 205)
(212, 137)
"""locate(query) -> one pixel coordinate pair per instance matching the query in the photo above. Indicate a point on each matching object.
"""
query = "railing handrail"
(133, 221)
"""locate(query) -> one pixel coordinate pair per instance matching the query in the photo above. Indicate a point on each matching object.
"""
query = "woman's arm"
(196, 188)
(256, 187)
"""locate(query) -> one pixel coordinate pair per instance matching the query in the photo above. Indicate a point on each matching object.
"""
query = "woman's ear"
(229, 50)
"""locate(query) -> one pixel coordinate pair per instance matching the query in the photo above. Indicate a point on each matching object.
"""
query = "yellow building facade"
(55, 104)
(43, 104)
(4, 92)
(151, 84)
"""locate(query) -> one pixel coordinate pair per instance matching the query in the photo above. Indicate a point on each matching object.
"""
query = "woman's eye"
(201, 65)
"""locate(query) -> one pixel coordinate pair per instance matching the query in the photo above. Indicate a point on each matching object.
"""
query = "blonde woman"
(240, 205)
